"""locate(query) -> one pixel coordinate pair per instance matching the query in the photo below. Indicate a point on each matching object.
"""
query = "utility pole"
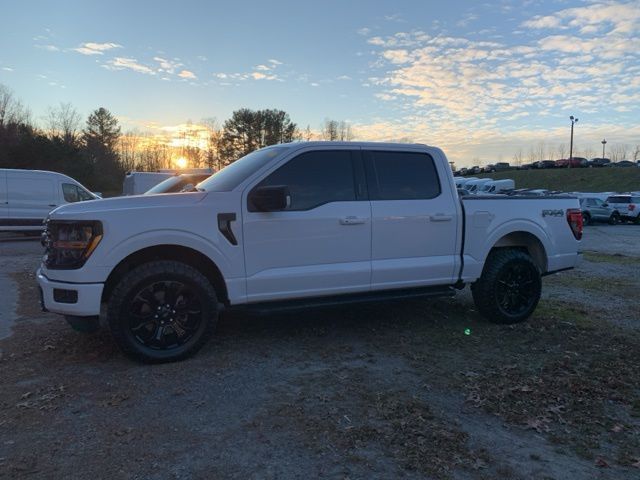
(573, 121)
(603, 142)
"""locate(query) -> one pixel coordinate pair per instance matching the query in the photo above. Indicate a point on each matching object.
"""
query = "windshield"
(233, 175)
(164, 186)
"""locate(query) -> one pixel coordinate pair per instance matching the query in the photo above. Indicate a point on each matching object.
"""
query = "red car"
(573, 162)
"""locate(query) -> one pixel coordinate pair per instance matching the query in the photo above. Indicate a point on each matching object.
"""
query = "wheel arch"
(525, 241)
(179, 253)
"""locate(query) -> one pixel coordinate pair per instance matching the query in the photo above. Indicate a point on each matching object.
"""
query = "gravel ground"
(420, 389)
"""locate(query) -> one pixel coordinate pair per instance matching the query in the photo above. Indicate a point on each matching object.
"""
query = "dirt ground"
(419, 389)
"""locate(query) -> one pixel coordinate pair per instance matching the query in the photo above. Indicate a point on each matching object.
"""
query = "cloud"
(461, 91)
(7, 69)
(617, 17)
(187, 74)
(168, 66)
(364, 31)
(274, 61)
(91, 48)
(122, 63)
(48, 48)
(263, 76)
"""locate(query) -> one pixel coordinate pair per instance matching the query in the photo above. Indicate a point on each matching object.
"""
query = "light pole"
(603, 142)
(573, 121)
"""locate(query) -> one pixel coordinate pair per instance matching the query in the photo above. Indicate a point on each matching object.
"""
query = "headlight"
(68, 244)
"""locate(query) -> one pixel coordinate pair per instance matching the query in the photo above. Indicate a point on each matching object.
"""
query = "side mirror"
(269, 199)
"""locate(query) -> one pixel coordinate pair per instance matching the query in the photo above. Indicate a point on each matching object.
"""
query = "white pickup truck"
(299, 225)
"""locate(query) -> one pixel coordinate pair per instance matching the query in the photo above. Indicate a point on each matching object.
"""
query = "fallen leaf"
(601, 462)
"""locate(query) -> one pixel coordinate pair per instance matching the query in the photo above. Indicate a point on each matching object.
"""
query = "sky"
(482, 80)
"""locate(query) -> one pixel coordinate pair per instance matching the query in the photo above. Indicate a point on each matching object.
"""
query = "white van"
(27, 197)
(475, 186)
(497, 186)
(137, 183)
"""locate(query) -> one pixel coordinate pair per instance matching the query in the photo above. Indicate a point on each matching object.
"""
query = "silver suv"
(595, 210)
(627, 205)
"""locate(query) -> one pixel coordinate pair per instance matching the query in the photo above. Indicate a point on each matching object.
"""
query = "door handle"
(440, 217)
(52, 205)
(351, 220)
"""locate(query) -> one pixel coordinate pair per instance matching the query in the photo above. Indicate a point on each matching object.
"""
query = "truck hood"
(136, 202)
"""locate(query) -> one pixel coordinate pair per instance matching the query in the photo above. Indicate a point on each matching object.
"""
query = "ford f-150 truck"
(299, 225)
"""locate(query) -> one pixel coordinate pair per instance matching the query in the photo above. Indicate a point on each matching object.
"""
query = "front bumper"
(85, 302)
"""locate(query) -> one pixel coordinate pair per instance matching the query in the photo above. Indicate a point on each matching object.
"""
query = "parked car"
(298, 225)
(502, 166)
(541, 164)
(574, 162)
(598, 162)
(137, 183)
(475, 170)
(463, 171)
(624, 163)
(595, 210)
(489, 168)
(525, 166)
(27, 197)
(178, 183)
(627, 205)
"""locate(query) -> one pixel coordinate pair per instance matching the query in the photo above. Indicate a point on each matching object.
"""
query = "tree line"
(97, 153)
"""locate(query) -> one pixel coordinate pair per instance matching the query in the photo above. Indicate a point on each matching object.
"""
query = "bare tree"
(214, 134)
(561, 150)
(128, 146)
(330, 130)
(541, 150)
(532, 154)
(588, 152)
(63, 121)
(618, 152)
(636, 153)
(517, 157)
(11, 110)
(334, 130)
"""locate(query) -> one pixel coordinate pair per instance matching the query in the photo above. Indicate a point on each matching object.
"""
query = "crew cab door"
(320, 243)
(414, 220)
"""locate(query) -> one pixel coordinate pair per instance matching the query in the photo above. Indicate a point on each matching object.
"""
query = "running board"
(346, 299)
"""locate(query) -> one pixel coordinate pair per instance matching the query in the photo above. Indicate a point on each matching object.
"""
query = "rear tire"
(509, 288)
(586, 219)
(162, 311)
(614, 219)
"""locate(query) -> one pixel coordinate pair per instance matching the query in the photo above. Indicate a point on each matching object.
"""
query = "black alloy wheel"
(162, 311)
(165, 315)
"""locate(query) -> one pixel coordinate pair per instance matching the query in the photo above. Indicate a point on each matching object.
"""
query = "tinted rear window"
(618, 200)
(402, 176)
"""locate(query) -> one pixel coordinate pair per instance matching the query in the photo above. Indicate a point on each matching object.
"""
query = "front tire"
(509, 288)
(162, 311)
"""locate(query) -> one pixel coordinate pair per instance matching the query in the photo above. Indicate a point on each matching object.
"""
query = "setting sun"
(181, 162)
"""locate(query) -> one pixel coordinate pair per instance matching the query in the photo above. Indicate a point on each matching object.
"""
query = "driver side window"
(316, 178)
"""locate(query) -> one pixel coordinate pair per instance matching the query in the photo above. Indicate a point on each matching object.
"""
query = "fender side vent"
(224, 225)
